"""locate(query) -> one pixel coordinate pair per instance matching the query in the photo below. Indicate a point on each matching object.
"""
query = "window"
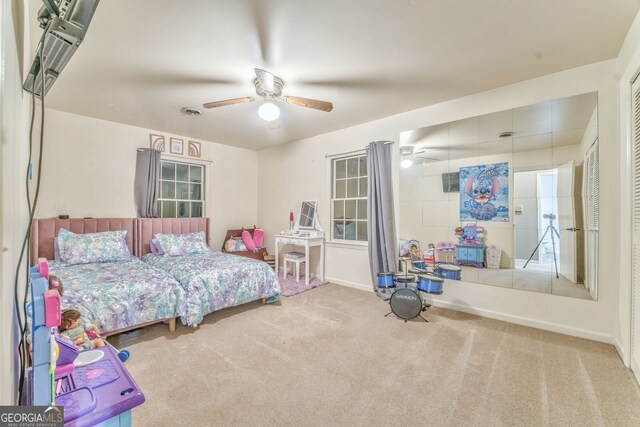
(181, 190)
(349, 198)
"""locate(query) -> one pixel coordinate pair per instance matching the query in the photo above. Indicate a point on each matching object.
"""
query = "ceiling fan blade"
(309, 103)
(265, 79)
(423, 160)
(229, 102)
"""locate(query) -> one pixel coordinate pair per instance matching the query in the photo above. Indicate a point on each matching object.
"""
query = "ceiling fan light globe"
(406, 163)
(268, 111)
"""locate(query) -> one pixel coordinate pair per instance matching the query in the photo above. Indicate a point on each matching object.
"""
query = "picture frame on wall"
(194, 149)
(156, 142)
(176, 146)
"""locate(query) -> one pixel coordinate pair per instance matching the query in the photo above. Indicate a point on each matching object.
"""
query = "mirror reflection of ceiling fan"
(269, 89)
(409, 156)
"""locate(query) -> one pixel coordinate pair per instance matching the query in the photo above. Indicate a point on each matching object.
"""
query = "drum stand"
(419, 315)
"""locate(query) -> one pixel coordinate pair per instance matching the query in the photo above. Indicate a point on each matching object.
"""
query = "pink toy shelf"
(445, 252)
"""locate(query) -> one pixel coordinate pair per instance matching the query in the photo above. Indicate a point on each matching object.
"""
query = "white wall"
(299, 170)
(13, 205)
(89, 165)
(627, 66)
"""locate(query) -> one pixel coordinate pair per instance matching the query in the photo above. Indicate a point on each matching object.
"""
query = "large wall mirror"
(527, 176)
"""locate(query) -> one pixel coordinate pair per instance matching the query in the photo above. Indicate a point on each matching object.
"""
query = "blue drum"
(421, 265)
(448, 271)
(430, 284)
(386, 280)
(405, 279)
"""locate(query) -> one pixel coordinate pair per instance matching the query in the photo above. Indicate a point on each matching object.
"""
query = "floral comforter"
(120, 294)
(215, 280)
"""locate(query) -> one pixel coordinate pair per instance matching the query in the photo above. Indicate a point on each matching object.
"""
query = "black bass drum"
(406, 303)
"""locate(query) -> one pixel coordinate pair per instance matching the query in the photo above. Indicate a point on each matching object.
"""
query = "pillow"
(156, 249)
(87, 248)
(235, 244)
(63, 237)
(248, 241)
(183, 244)
(230, 245)
(56, 249)
(240, 246)
(258, 237)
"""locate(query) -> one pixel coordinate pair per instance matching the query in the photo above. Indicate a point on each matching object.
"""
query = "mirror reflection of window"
(307, 214)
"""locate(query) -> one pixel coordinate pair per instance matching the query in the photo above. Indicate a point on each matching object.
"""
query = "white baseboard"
(506, 317)
(348, 284)
(618, 345)
(527, 321)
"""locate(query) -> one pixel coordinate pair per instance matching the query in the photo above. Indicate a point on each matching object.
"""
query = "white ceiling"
(143, 60)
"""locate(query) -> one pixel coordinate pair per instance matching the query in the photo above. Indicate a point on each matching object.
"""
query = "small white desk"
(306, 242)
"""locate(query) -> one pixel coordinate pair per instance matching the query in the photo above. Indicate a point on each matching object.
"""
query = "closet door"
(591, 197)
(635, 284)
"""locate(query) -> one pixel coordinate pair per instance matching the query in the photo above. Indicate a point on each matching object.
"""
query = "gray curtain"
(381, 222)
(147, 182)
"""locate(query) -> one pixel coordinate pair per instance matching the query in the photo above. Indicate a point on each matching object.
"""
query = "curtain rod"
(186, 159)
(326, 156)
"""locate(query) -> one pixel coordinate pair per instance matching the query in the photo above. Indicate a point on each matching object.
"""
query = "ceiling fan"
(269, 89)
(409, 157)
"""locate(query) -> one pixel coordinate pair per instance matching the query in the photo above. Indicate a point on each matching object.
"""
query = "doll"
(55, 283)
(414, 252)
(84, 336)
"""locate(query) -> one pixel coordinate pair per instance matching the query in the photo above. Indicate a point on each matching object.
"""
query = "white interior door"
(567, 265)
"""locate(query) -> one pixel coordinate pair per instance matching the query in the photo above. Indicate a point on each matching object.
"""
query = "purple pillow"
(56, 249)
(106, 246)
(156, 249)
(183, 244)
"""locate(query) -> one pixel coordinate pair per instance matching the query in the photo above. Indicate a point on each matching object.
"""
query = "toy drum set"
(407, 289)
(406, 300)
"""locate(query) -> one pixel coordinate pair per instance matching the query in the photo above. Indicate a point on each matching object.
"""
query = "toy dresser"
(470, 254)
(100, 393)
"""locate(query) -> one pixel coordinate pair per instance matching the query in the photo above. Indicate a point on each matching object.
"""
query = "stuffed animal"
(258, 238)
(248, 241)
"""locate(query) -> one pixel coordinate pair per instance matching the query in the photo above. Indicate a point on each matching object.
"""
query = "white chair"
(295, 258)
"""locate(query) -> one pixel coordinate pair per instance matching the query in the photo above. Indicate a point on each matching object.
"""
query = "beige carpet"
(328, 357)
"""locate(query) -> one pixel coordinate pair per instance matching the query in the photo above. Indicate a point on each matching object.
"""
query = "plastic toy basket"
(494, 254)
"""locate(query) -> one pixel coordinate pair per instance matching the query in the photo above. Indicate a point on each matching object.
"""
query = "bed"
(116, 296)
(212, 280)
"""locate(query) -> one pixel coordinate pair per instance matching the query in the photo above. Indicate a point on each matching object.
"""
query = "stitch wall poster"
(484, 193)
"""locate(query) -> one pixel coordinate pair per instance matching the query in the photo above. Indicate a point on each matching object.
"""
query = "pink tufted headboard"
(149, 227)
(44, 230)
